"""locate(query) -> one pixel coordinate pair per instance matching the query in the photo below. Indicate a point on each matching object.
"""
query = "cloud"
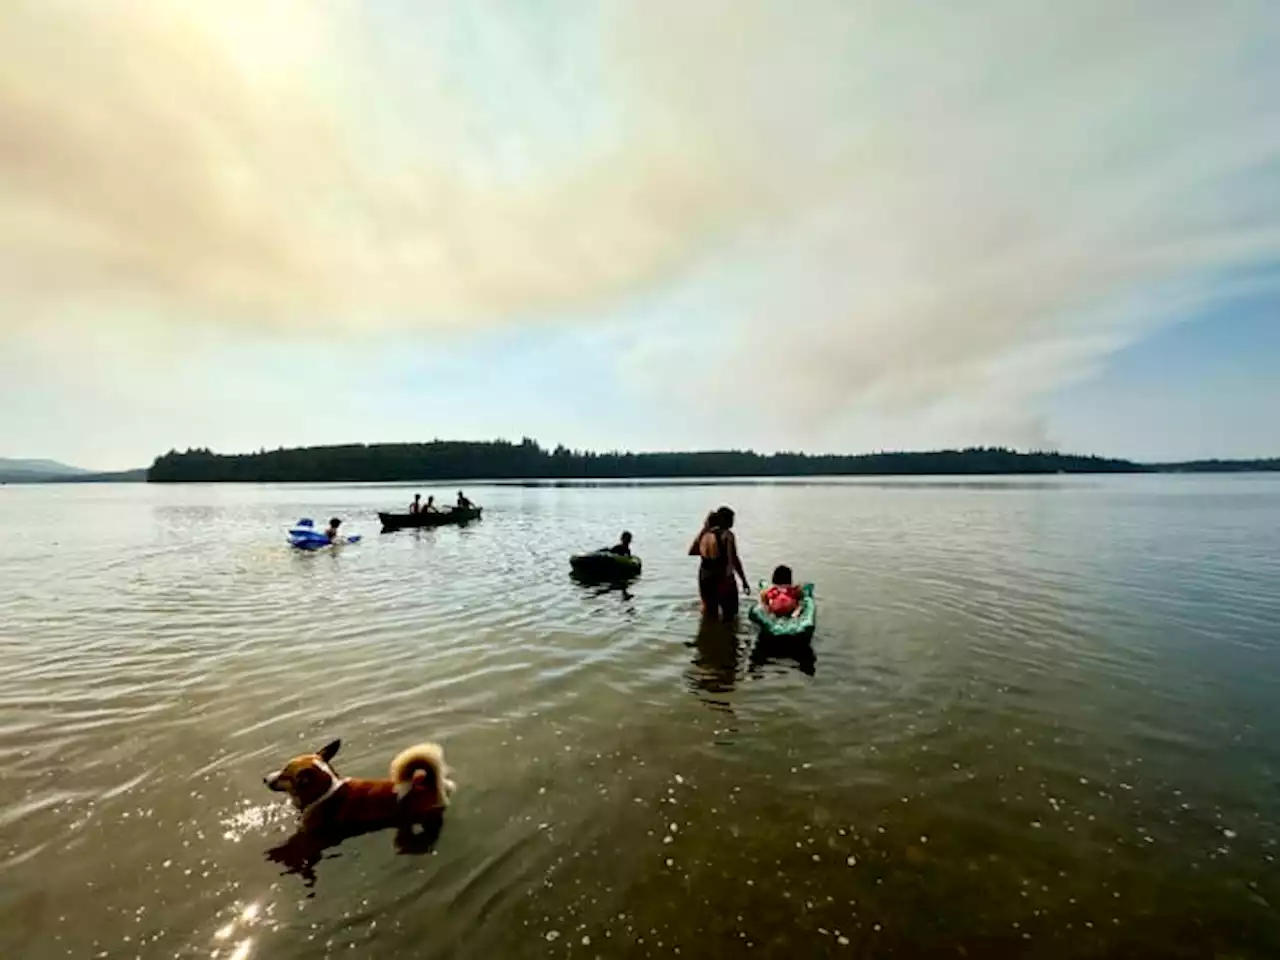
(1007, 197)
(255, 162)
(883, 218)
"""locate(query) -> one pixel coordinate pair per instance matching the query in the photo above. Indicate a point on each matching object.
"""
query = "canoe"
(798, 625)
(405, 521)
(605, 565)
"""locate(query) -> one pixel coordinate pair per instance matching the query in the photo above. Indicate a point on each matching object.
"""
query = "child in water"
(782, 598)
(623, 547)
(332, 530)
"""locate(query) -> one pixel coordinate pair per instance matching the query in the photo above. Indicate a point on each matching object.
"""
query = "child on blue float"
(782, 598)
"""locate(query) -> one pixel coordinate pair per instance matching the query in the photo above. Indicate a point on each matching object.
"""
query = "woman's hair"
(723, 518)
(335, 522)
(782, 576)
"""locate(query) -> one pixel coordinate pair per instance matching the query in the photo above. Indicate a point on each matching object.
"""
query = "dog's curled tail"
(422, 768)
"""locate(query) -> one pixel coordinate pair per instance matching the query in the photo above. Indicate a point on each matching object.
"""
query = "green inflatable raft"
(605, 565)
(800, 624)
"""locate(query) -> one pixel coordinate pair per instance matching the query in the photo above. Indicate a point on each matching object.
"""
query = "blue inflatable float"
(304, 536)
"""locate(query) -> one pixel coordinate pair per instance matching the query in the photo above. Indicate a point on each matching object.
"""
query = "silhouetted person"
(719, 562)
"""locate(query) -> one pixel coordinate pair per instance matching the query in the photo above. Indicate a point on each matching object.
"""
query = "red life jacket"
(782, 601)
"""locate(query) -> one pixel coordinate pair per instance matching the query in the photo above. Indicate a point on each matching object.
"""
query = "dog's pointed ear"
(329, 751)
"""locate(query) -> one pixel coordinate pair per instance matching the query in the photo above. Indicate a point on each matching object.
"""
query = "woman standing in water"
(717, 549)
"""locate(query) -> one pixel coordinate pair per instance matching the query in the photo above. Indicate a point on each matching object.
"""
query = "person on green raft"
(623, 547)
(782, 598)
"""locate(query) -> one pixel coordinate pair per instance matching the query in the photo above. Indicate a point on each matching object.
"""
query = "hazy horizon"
(640, 225)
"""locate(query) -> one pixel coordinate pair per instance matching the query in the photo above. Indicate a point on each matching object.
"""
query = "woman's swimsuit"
(715, 585)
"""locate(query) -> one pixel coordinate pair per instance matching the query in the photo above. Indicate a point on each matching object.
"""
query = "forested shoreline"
(528, 460)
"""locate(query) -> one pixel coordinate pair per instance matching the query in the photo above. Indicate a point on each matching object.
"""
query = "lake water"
(1039, 718)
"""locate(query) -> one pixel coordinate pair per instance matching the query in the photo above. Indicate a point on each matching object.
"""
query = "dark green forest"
(528, 460)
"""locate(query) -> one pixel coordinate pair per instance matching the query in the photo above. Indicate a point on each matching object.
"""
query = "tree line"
(528, 460)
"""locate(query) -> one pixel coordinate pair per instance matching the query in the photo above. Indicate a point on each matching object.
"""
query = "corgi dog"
(416, 792)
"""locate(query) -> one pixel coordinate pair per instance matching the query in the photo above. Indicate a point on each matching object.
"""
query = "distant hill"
(51, 471)
(1270, 464)
(37, 468)
(36, 471)
(115, 476)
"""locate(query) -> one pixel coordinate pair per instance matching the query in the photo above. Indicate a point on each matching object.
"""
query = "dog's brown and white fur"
(417, 791)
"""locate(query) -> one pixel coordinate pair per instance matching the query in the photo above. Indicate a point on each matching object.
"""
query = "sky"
(640, 224)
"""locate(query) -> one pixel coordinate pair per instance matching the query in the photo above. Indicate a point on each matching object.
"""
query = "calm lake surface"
(1039, 718)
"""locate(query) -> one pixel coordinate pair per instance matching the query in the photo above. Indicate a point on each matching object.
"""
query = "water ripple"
(1038, 709)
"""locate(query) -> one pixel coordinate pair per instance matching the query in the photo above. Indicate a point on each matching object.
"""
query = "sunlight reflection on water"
(1033, 712)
